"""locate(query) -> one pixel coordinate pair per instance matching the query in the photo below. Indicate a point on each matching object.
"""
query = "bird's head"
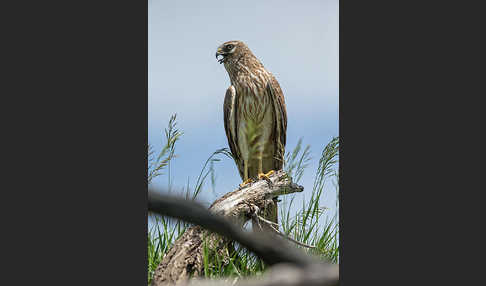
(231, 51)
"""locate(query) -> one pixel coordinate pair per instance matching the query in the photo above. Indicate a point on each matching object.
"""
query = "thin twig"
(267, 221)
(272, 224)
(291, 239)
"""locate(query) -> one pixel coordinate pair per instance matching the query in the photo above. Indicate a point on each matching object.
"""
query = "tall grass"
(157, 164)
(309, 223)
(208, 170)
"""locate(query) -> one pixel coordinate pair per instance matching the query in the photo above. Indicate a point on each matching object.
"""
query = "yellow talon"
(246, 183)
(266, 176)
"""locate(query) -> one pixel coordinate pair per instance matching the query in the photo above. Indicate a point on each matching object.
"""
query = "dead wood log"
(186, 255)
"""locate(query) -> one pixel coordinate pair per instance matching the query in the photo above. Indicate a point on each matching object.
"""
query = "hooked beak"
(220, 52)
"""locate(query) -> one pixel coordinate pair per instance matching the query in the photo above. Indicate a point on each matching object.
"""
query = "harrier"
(255, 117)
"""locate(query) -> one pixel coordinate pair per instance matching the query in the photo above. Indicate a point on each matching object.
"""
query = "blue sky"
(295, 40)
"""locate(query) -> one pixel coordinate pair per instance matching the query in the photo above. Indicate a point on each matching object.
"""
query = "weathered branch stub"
(186, 255)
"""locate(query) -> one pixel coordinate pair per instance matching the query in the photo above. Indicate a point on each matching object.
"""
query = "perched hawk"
(255, 118)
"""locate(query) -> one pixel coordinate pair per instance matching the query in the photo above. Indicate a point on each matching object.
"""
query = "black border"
(78, 71)
(406, 131)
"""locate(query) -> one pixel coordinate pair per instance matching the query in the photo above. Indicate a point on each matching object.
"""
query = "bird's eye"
(229, 47)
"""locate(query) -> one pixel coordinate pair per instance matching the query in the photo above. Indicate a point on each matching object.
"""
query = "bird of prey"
(255, 117)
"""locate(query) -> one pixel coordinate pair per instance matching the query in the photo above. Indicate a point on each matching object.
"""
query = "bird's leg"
(245, 168)
(246, 180)
(261, 175)
(260, 166)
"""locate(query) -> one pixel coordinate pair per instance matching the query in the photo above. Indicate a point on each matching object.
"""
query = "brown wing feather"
(280, 128)
(230, 124)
